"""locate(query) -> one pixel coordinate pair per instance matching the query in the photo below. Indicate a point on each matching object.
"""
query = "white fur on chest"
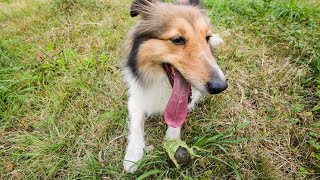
(154, 98)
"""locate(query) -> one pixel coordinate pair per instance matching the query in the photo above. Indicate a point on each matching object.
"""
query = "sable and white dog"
(169, 62)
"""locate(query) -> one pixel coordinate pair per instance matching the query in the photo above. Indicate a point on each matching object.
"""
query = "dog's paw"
(130, 167)
(132, 158)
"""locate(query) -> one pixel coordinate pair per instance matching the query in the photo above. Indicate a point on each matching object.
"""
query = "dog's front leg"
(136, 143)
(173, 133)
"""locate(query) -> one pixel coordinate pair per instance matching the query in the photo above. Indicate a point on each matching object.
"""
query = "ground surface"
(63, 103)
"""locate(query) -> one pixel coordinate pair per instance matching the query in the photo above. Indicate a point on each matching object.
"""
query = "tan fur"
(180, 20)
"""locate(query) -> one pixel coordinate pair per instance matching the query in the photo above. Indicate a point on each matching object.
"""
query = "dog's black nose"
(216, 87)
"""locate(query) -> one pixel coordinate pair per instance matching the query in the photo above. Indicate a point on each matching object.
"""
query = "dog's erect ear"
(191, 2)
(141, 7)
(215, 41)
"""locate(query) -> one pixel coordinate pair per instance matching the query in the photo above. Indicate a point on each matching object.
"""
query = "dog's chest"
(154, 99)
(157, 96)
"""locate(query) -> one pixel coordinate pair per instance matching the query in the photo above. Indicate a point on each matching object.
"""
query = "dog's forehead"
(168, 20)
(179, 14)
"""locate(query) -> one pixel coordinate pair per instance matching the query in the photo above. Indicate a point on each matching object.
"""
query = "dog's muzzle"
(217, 86)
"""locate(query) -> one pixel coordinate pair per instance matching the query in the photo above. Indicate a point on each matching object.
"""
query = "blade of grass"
(149, 173)
(240, 140)
(231, 166)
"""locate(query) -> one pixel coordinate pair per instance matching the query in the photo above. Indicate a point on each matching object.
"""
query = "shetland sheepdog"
(169, 62)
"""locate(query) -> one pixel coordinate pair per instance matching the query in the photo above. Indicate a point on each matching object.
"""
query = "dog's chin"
(201, 89)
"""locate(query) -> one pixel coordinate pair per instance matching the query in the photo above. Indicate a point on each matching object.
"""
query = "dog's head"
(179, 35)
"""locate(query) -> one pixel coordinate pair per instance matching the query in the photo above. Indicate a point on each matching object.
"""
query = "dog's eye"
(178, 40)
(208, 38)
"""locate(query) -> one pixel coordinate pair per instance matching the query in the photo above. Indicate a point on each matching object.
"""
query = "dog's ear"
(215, 41)
(141, 7)
(191, 2)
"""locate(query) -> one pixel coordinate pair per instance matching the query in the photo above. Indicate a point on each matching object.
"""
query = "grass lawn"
(63, 103)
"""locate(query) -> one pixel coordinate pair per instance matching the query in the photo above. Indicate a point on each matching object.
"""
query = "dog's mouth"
(177, 108)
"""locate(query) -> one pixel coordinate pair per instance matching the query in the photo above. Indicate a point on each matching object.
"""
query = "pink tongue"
(177, 107)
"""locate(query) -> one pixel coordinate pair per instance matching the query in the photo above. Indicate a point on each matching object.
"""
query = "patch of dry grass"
(63, 103)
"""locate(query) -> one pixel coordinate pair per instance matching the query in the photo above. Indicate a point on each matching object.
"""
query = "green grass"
(63, 103)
